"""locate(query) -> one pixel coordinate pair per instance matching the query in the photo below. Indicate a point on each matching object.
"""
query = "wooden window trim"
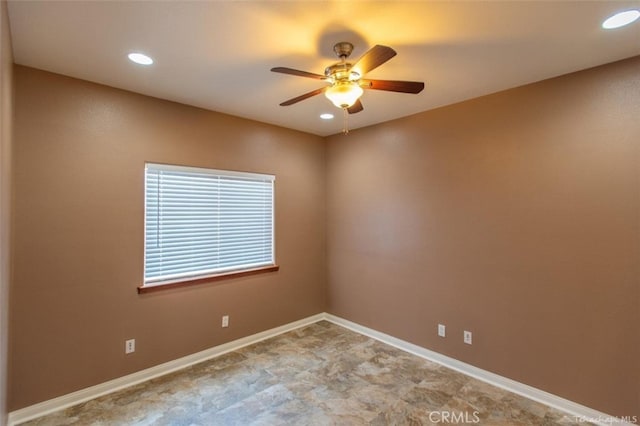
(218, 277)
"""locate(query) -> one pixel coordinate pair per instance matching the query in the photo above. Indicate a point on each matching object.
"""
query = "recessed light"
(621, 19)
(326, 116)
(140, 58)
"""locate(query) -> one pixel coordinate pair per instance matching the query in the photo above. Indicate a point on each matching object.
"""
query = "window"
(202, 223)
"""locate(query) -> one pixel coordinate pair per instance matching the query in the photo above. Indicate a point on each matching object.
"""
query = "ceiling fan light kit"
(344, 94)
(346, 84)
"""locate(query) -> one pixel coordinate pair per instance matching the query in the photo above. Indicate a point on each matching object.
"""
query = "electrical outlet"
(442, 332)
(468, 337)
(130, 346)
(225, 320)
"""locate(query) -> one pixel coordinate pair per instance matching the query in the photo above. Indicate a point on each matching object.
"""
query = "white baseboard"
(574, 410)
(83, 395)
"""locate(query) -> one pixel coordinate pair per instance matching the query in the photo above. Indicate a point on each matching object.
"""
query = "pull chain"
(345, 121)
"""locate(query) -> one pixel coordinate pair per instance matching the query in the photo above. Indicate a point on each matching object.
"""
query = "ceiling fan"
(346, 82)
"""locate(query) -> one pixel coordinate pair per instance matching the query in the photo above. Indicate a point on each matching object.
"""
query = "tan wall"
(515, 216)
(6, 105)
(80, 150)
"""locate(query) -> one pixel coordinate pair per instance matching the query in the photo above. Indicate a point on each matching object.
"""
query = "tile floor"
(321, 374)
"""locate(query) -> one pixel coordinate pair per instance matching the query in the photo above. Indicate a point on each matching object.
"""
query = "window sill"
(189, 282)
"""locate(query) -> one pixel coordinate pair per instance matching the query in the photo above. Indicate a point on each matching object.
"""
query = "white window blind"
(202, 222)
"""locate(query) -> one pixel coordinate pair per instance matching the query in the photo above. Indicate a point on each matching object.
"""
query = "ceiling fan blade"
(303, 97)
(393, 85)
(374, 57)
(299, 73)
(357, 107)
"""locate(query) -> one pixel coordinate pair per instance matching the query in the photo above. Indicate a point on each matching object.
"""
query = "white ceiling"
(218, 54)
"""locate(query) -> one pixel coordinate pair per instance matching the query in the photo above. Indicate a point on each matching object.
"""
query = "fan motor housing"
(341, 71)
